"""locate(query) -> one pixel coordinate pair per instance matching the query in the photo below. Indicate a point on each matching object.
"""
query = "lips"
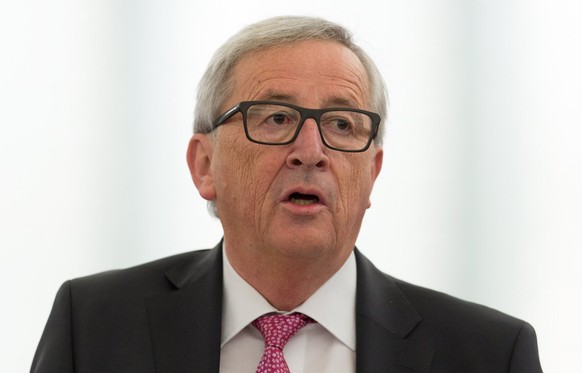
(304, 197)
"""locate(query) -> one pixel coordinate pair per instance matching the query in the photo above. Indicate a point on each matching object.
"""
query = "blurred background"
(480, 193)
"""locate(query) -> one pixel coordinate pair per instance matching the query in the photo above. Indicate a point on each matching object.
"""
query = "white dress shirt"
(326, 346)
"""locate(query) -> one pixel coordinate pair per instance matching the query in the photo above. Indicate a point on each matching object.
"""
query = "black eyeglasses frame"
(306, 113)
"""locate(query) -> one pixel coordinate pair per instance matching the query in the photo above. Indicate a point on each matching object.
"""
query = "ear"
(376, 167)
(377, 163)
(199, 158)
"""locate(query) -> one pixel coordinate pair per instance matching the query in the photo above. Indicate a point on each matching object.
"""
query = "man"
(286, 149)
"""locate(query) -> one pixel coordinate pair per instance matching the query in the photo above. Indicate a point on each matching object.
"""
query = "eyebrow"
(334, 101)
(341, 102)
(273, 96)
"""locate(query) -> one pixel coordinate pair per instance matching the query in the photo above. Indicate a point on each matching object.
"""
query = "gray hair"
(215, 86)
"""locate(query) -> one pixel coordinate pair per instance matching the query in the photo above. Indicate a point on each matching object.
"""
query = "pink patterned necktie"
(277, 330)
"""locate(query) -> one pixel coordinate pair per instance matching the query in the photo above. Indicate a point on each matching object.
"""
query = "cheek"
(244, 176)
(229, 169)
(355, 184)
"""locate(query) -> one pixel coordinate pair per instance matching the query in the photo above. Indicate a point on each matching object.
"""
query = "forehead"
(311, 73)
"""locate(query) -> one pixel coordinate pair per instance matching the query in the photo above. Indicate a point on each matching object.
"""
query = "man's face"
(301, 199)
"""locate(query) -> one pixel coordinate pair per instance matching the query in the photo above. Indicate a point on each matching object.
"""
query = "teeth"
(302, 202)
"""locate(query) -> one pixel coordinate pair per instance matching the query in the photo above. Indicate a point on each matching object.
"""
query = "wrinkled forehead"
(299, 71)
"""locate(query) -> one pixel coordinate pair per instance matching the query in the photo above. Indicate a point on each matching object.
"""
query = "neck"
(285, 281)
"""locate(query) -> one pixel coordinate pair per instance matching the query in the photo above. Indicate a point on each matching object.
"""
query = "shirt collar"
(332, 305)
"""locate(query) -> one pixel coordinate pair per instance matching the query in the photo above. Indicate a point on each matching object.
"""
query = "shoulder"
(132, 284)
(470, 335)
(142, 271)
(432, 306)
(440, 314)
(465, 336)
(452, 312)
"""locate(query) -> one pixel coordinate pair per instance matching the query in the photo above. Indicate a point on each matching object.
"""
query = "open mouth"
(303, 199)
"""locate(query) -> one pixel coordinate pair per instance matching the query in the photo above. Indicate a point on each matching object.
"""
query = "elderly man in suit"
(287, 146)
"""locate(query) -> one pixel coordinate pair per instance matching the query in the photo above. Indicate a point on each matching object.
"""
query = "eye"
(278, 118)
(281, 118)
(341, 124)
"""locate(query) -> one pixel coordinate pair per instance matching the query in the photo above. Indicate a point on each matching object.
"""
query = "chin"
(303, 245)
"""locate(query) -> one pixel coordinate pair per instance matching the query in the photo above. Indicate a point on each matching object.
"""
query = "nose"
(308, 150)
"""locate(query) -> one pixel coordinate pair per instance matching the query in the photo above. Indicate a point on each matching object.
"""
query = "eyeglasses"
(277, 123)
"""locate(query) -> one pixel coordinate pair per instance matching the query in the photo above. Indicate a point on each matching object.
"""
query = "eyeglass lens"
(277, 124)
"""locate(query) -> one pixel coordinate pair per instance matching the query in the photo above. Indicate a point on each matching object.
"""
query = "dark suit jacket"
(165, 317)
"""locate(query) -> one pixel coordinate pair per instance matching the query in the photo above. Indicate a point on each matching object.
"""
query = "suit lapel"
(185, 323)
(385, 322)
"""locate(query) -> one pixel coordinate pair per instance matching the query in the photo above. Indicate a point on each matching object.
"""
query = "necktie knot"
(277, 330)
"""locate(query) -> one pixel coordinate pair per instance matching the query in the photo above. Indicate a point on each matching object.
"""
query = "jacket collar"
(185, 324)
(189, 319)
(385, 325)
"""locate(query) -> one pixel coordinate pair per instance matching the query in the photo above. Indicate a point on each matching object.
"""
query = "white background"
(480, 194)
